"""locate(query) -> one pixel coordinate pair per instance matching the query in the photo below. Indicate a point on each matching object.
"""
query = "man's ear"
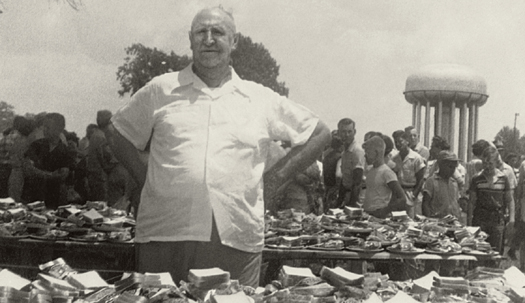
(235, 40)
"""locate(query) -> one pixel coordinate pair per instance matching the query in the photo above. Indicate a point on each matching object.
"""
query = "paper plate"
(284, 247)
(413, 251)
(481, 254)
(360, 249)
(442, 253)
(319, 247)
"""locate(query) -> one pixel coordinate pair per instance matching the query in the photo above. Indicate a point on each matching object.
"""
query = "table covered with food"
(91, 236)
(351, 234)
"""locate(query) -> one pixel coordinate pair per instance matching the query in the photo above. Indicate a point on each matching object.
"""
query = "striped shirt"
(493, 196)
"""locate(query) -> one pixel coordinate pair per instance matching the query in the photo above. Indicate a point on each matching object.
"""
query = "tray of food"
(90, 237)
(367, 246)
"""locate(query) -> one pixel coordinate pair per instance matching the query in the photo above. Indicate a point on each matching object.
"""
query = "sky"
(338, 58)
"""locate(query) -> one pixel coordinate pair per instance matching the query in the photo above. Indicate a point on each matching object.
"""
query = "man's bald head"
(217, 11)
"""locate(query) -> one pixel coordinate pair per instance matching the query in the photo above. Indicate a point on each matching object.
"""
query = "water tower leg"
(418, 122)
(470, 137)
(476, 117)
(438, 118)
(414, 113)
(452, 129)
(427, 123)
(462, 125)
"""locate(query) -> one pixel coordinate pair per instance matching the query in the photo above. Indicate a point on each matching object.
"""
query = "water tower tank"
(447, 88)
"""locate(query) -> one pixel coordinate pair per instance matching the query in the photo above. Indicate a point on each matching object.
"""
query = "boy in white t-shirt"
(383, 191)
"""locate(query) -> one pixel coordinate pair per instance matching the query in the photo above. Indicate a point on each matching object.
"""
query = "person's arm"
(420, 179)
(425, 206)
(428, 193)
(297, 160)
(509, 199)
(520, 191)
(357, 177)
(473, 198)
(398, 200)
(126, 154)
(30, 170)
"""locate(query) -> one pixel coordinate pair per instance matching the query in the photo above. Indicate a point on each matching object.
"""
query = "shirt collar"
(230, 84)
(497, 172)
(411, 154)
(351, 146)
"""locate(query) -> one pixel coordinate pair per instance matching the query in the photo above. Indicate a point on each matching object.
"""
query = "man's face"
(370, 155)
(434, 151)
(51, 129)
(447, 168)
(490, 162)
(346, 133)
(414, 138)
(212, 39)
(401, 143)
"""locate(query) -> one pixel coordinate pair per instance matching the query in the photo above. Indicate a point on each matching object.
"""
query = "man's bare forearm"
(300, 157)
(126, 154)
(420, 180)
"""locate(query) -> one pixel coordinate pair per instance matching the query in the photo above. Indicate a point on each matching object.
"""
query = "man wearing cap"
(440, 191)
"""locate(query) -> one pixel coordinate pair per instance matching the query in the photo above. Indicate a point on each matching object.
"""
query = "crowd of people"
(398, 173)
(41, 161)
(209, 153)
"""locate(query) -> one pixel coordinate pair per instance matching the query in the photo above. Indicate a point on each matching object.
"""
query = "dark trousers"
(496, 232)
(178, 258)
(519, 235)
(5, 171)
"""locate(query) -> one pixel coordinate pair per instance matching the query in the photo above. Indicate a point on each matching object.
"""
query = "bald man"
(210, 131)
(383, 192)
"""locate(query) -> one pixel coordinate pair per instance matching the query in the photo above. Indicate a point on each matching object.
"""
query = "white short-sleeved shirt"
(207, 155)
(353, 157)
(444, 195)
(408, 167)
(378, 194)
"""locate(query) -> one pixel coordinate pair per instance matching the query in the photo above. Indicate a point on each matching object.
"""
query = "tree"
(510, 139)
(143, 64)
(74, 4)
(7, 114)
(251, 62)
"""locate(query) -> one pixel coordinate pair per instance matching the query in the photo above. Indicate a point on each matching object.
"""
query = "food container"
(57, 268)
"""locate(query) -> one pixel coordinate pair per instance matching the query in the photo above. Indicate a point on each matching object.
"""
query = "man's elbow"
(323, 133)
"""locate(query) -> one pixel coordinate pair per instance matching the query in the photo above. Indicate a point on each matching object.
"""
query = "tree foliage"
(7, 114)
(511, 140)
(251, 61)
(143, 64)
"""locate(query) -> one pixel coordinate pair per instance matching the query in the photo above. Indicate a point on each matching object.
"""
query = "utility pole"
(515, 132)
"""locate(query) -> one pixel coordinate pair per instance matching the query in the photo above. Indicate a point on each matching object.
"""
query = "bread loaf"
(87, 280)
(292, 275)
(208, 278)
(340, 277)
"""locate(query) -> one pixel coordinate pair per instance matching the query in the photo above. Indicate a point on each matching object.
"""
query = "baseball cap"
(446, 155)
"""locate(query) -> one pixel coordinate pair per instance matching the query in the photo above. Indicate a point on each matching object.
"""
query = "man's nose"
(208, 39)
